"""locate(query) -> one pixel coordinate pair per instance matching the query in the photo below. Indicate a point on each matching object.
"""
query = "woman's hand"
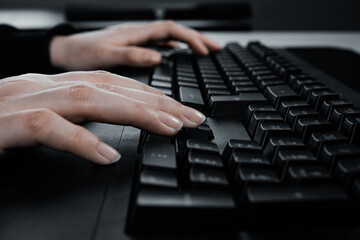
(119, 45)
(40, 109)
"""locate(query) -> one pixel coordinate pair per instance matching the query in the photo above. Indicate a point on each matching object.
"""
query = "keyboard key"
(159, 155)
(238, 78)
(162, 73)
(298, 113)
(185, 74)
(268, 129)
(161, 84)
(287, 158)
(307, 89)
(234, 105)
(233, 144)
(317, 97)
(265, 83)
(308, 175)
(166, 91)
(328, 106)
(258, 175)
(347, 171)
(239, 89)
(215, 86)
(187, 84)
(339, 114)
(255, 73)
(351, 128)
(251, 109)
(319, 139)
(298, 83)
(185, 69)
(208, 178)
(294, 77)
(216, 92)
(210, 75)
(260, 78)
(212, 81)
(187, 79)
(331, 154)
(285, 72)
(203, 132)
(247, 177)
(169, 199)
(260, 117)
(282, 143)
(204, 159)
(304, 127)
(242, 158)
(278, 94)
(278, 195)
(292, 104)
(209, 71)
(158, 178)
(191, 97)
(325, 203)
(199, 145)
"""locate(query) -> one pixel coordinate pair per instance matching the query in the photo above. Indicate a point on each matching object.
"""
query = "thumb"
(137, 56)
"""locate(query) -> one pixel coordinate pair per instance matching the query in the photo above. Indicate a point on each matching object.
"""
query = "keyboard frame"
(93, 201)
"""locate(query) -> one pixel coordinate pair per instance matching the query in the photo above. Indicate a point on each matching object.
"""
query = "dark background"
(266, 14)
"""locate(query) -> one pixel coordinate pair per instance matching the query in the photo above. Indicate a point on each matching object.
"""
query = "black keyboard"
(279, 147)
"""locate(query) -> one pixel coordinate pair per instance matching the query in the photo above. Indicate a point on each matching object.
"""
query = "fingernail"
(170, 120)
(155, 58)
(108, 152)
(194, 117)
(206, 52)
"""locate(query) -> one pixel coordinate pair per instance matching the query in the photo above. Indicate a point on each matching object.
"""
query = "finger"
(190, 117)
(169, 29)
(84, 102)
(135, 56)
(44, 127)
(104, 77)
(212, 45)
(23, 84)
(171, 44)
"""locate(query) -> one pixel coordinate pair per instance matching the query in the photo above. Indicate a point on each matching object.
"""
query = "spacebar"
(176, 199)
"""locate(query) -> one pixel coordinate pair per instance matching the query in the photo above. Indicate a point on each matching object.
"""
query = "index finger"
(104, 77)
(170, 30)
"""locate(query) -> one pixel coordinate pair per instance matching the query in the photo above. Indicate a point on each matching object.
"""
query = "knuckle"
(130, 54)
(162, 100)
(76, 138)
(80, 93)
(102, 76)
(178, 107)
(130, 27)
(105, 86)
(37, 119)
(170, 23)
(102, 72)
(136, 109)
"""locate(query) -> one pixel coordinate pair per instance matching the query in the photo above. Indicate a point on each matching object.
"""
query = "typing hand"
(119, 45)
(40, 109)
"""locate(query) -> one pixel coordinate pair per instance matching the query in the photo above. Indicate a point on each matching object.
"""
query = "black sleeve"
(27, 51)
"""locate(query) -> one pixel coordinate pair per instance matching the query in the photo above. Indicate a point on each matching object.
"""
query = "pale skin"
(38, 109)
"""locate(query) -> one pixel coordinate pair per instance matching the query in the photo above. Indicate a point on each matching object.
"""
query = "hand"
(119, 45)
(40, 109)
